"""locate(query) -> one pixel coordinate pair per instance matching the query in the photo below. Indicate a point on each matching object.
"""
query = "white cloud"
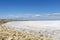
(37, 15)
(32, 16)
(9, 17)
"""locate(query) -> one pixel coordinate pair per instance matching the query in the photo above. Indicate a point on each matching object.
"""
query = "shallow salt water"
(52, 27)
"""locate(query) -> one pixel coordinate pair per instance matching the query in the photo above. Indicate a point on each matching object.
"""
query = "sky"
(30, 9)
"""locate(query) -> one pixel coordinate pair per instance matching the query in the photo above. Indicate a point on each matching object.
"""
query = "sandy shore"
(10, 32)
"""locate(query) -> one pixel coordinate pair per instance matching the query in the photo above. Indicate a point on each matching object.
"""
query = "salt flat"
(35, 24)
(51, 28)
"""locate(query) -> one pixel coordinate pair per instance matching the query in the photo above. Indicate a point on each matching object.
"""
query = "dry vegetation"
(4, 21)
(7, 33)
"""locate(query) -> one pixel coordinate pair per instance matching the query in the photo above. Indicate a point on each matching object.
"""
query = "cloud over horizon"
(32, 16)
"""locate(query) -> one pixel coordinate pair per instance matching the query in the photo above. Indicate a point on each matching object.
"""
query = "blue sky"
(30, 9)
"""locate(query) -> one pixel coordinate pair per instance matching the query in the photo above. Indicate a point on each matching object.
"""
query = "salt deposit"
(52, 27)
(35, 24)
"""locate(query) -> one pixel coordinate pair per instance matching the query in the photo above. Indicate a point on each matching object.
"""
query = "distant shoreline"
(31, 20)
